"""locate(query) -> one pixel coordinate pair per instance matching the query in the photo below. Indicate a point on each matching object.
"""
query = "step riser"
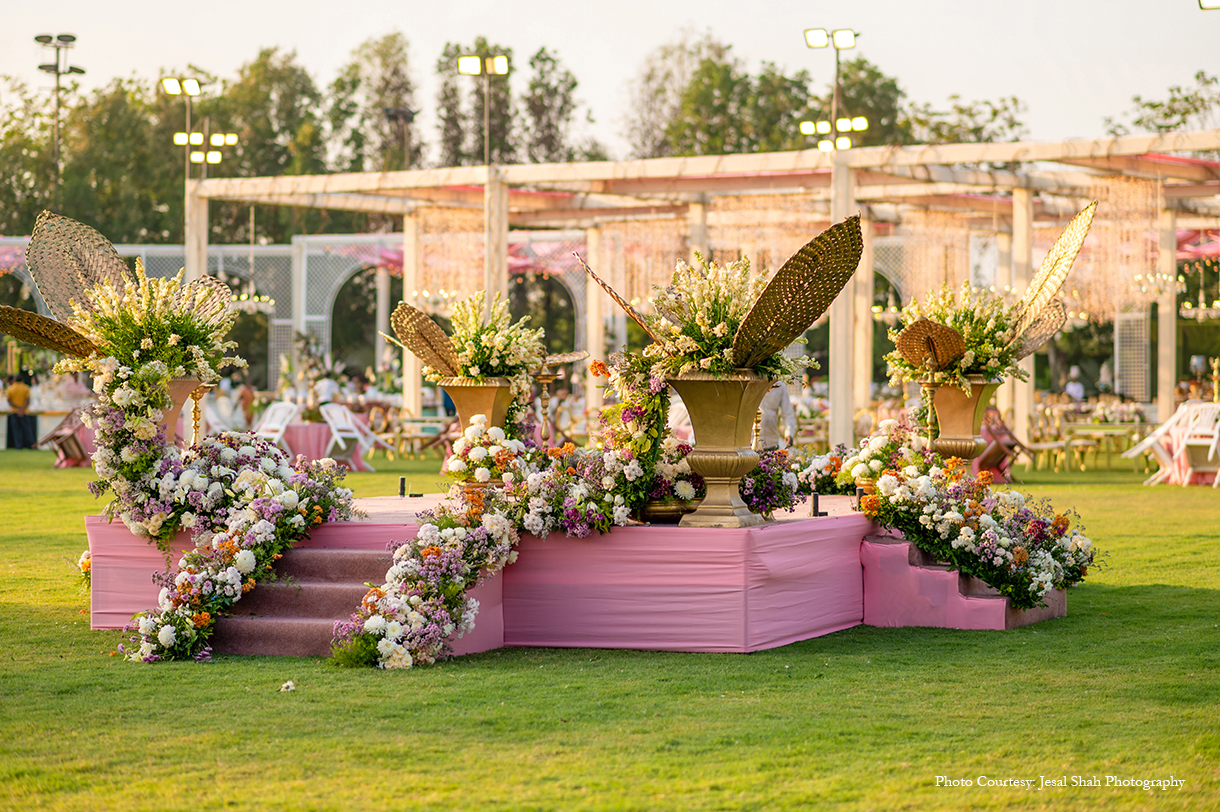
(315, 564)
(273, 637)
(310, 599)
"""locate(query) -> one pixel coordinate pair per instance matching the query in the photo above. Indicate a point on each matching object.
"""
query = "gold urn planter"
(960, 417)
(722, 413)
(490, 397)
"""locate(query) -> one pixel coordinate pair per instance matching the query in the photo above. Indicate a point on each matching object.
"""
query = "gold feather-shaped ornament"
(40, 331)
(1052, 272)
(623, 303)
(930, 344)
(799, 293)
(67, 258)
(1040, 331)
(424, 337)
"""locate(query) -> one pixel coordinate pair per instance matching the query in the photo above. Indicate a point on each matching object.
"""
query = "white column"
(412, 389)
(1167, 316)
(495, 224)
(863, 340)
(696, 223)
(595, 325)
(383, 315)
(1003, 281)
(196, 233)
(842, 312)
(1022, 274)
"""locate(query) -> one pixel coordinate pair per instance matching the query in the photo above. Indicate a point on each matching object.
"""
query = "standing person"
(776, 406)
(1074, 388)
(21, 426)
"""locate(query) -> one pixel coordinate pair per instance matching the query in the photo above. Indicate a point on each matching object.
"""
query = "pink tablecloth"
(312, 439)
(687, 589)
(1180, 469)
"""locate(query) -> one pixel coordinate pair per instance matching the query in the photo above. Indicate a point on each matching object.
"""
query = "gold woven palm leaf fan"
(207, 297)
(40, 331)
(1040, 331)
(564, 358)
(623, 303)
(1051, 274)
(930, 344)
(67, 258)
(799, 293)
(424, 337)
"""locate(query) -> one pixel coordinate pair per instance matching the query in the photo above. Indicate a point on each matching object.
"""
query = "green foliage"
(1196, 107)
(968, 122)
(865, 91)
(362, 137)
(359, 651)
(461, 122)
(548, 105)
(26, 168)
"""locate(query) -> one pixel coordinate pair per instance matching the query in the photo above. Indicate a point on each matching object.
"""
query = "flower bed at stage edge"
(239, 496)
(1022, 549)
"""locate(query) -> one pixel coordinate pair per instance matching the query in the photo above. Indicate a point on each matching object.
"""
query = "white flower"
(482, 475)
(633, 470)
(375, 624)
(478, 453)
(147, 626)
(684, 490)
(496, 433)
(456, 466)
(245, 562)
(167, 636)
(860, 470)
(876, 465)
(473, 432)
(479, 420)
(288, 499)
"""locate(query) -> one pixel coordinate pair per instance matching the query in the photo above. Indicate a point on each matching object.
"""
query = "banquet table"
(312, 439)
(1107, 434)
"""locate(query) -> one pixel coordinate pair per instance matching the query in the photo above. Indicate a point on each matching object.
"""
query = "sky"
(1073, 62)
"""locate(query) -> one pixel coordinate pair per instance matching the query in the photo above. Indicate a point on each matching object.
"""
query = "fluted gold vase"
(959, 417)
(180, 391)
(490, 397)
(722, 414)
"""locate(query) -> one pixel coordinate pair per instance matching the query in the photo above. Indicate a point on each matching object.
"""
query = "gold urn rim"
(735, 375)
(463, 381)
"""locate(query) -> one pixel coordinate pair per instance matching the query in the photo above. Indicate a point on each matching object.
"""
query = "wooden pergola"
(872, 181)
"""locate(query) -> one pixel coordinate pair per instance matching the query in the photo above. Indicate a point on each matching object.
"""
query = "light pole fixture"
(60, 67)
(473, 65)
(836, 129)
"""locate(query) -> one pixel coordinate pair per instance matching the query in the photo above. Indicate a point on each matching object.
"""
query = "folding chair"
(1202, 434)
(275, 422)
(345, 434)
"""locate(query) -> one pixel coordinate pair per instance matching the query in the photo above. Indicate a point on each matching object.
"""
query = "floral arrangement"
(817, 473)
(408, 620)
(894, 446)
(1118, 412)
(148, 334)
(697, 317)
(772, 485)
(246, 504)
(483, 453)
(984, 320)
(84, 565)
(1021, 549)
(496, 348)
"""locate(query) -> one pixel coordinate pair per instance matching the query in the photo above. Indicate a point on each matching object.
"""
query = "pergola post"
(1167, 316)
(382, 280)
(595, 326)
(862, 346)
(842, 316)
(1003, 283)
(412, 388)
(1022, 274)
(495, 223)
(196, 232)
(298, 297)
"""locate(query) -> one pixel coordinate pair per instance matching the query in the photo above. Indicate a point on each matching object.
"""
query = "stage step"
(911, 588)
(295, 616)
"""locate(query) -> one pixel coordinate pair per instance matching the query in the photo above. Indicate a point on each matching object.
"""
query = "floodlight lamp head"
(213, 157)
(191, 87)
(823, 127)
(808, 128)
(75, 69)
(497, 65)
(45, 39)
(171, 86)
(197, 157)
(816, 38)
(66, 38)
(859, 123)
(844, 38)
(196, 139)
(181, 139)
(826, 145)
(843, 125)
(1209, 5)
(50, 67)
(470, 65)
(842, 142)
(217, 139)
(230, 139)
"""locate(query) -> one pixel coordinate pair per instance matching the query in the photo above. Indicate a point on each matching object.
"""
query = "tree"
(25, 156)
(1196, 108)
(548, 105)
(656, 92)
(777, 105)
(865, 91)
(362, 135)
(711, 115)
(461, 124)
(973, 122)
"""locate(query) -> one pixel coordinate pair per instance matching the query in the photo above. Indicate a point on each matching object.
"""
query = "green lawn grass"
(1128, 684)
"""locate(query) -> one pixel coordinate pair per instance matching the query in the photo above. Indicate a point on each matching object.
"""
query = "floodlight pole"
(61, 44)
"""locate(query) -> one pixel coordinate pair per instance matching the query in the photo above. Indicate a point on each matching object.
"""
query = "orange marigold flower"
(598, 369)
(568, 448)
(571, 471)
(952, 462)
(86, 565)
(870, 504)
(1060, 524)
(428, 552)
(554, 453)
(202, 620)
(1019, 556)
